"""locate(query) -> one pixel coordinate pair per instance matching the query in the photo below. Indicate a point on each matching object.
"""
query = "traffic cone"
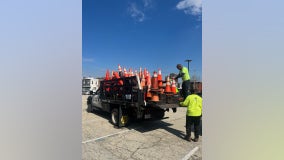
(154, 81)
(116, 75)
(143, 81)
(148, 80)
(155, 97)
(125, 73)
(140, 72)
(130, 73)
(119, 70)
(136, 73)
(107, 75)
(145, 73)
(160, 78)
(149, 94)
(168, 86)
(173, 88)
(148, 83)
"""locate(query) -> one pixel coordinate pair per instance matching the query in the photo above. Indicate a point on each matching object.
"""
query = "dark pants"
(195, 121)
(185, 89)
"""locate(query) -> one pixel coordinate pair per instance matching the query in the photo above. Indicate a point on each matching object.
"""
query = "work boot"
(195, 140)
(187, 137)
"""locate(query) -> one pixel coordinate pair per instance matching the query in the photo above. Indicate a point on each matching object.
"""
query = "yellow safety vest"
(193, 103)
(186, 76)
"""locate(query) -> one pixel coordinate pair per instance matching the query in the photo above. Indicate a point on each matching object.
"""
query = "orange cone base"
(149, 95)
(155, 97)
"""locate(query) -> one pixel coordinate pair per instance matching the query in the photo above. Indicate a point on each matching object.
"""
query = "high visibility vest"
(193, 103)
(186, 76)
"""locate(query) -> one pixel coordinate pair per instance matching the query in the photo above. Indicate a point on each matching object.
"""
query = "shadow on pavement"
(145, 125)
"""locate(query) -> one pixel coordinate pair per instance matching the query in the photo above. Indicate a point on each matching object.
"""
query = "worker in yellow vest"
(193, 102)
(183, 72)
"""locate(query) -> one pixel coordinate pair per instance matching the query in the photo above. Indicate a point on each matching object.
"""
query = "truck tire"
(89, 108)
(114, 116)
(118, 118)
(89, 103)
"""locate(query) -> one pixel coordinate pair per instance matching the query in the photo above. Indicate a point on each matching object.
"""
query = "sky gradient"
(150, 34)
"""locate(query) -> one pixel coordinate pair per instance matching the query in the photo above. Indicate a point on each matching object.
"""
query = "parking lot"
(149, 139)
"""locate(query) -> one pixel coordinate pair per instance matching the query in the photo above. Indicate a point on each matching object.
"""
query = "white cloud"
(147, 3)
(190, 6)
(135, 13)
(88, 60)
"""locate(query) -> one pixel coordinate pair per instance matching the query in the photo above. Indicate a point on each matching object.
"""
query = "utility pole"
(188, 60)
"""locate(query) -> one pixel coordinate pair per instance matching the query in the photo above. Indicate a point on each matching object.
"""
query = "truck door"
(96, 101)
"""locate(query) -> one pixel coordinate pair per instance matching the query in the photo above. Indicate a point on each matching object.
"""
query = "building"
(90, 85)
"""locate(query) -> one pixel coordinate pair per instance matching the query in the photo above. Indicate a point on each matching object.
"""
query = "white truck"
(90, 85)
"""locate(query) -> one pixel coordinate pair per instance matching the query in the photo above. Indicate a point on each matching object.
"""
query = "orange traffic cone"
(160, 78)
(143, 81)
(130, 73)
(125, 73)
(168, 86)
(155, 97)
(154, 82)
(148, 80)
(149, 94)
(136, 73)
(116, 75)
(173, 88)
(148, 83)
(112, 74)
(107, 75)
(119, 70)
(145, 73)
(140, 72)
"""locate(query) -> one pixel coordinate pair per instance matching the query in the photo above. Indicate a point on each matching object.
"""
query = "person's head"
(194, 91)
(179, 66)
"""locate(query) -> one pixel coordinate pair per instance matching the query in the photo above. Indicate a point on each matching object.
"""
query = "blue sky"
(150, 34)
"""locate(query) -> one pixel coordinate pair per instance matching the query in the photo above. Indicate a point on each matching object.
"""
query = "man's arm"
(179, 75)
(185, 103)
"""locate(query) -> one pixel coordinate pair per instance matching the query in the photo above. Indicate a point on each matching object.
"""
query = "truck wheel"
(89, 108)
(119, 119)
(114, 116)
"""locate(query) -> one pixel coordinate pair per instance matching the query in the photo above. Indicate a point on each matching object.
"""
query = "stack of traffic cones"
(173, 88)
(155, 88)
(160, 78)
(168, 85)
(154, 81)
(148, 83)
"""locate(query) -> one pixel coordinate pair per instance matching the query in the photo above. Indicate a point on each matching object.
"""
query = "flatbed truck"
(124, 98)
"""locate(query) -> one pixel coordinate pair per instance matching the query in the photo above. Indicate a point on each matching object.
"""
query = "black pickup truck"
(125, 99)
